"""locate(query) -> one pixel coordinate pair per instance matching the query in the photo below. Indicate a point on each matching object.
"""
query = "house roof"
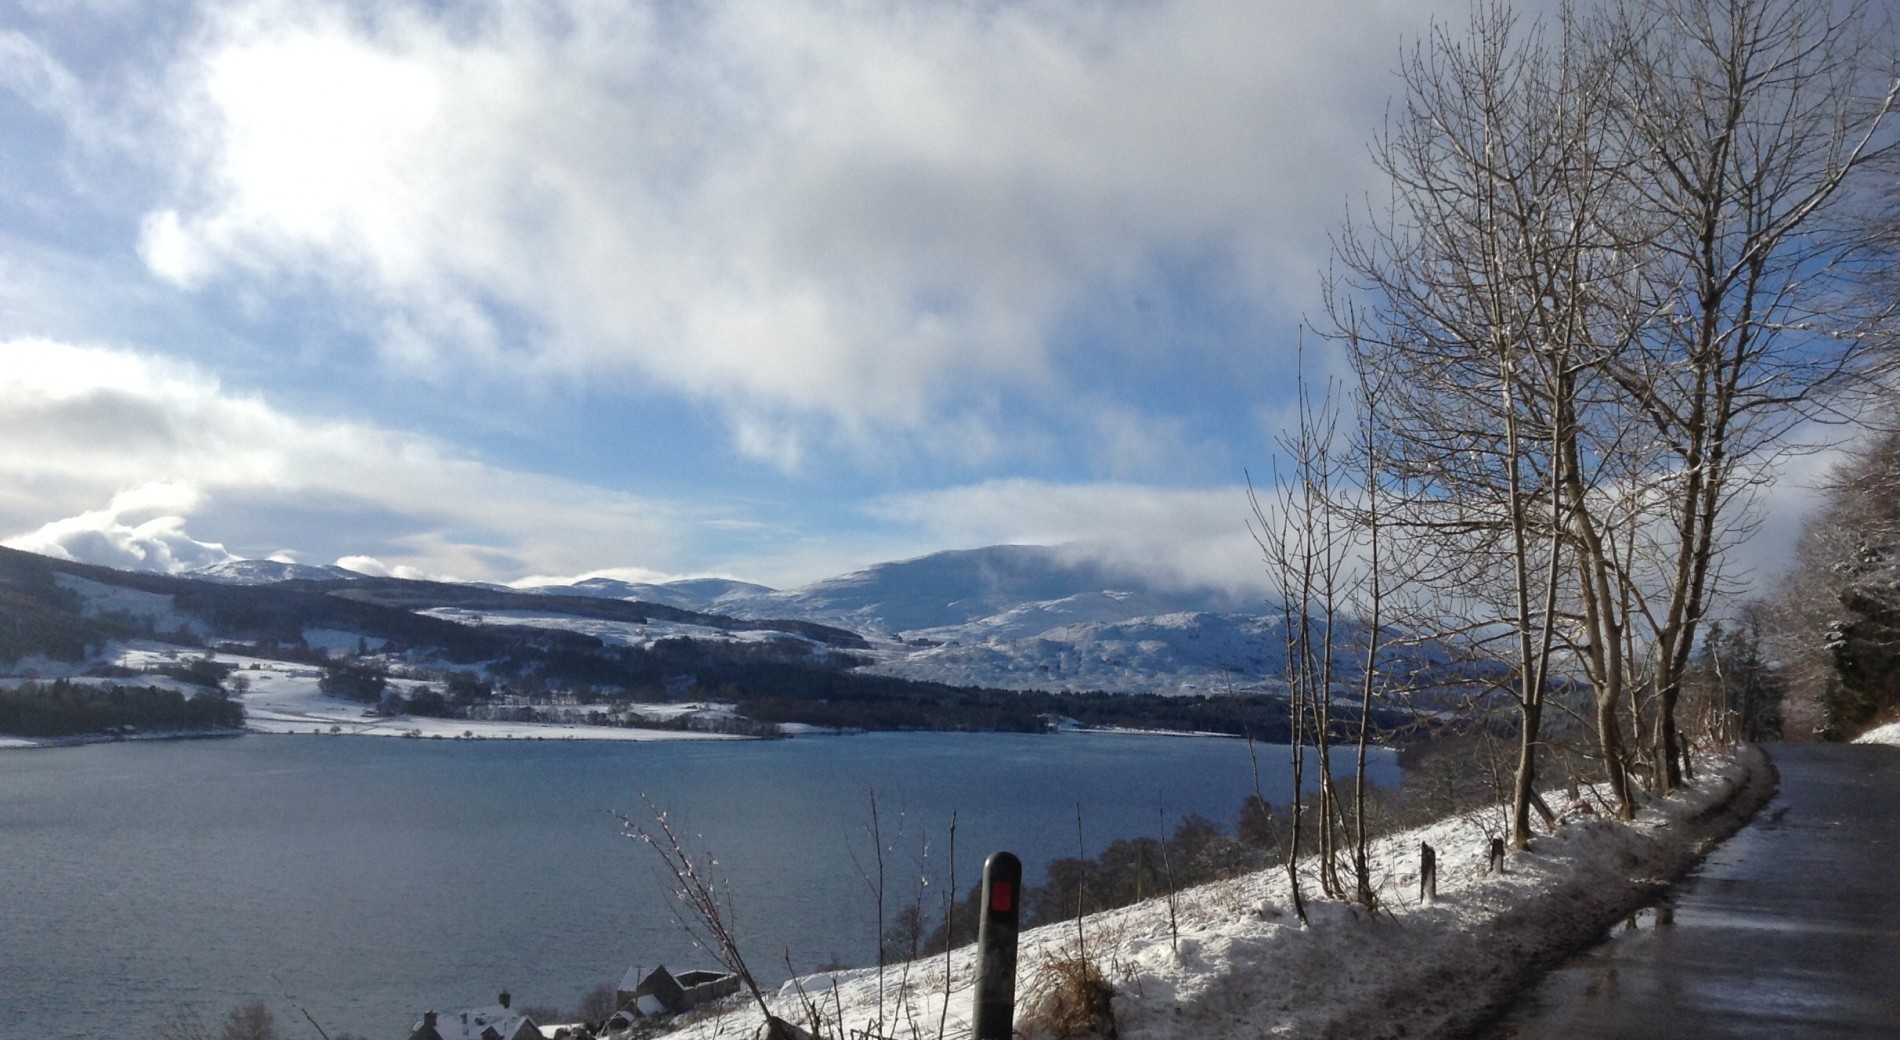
(474, 1023)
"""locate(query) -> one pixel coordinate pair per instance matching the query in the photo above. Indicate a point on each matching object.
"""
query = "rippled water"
(372, 879)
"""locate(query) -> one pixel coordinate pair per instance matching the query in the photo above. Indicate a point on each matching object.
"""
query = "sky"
(512, 290)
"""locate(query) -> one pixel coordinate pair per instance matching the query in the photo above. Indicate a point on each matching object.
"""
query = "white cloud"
(832, 219)
(116, 536)
(376, 568)
(167, 446)
(631, 575)
(27, 69)
(1188, 537)
(169, 252)
(80, 426)
(1202, 537)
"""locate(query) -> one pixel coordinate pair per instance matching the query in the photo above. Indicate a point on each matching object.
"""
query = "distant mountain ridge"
(260, 572)
(964, 586)
(703, 594)
(1009, 616)
(1041, 617)
(487, 654)
(1181, 653)
(939, 591)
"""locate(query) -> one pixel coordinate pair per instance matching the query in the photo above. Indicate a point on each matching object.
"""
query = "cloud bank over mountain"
(127, 535)
(166, 444)
(764, 289)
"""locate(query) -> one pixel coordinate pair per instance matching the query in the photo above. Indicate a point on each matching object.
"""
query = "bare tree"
(1380, 576)
(704, 910)
(1305, 560)
(1322, 540)
(1749, 123)
(1596, 305)
(1482, 305)
(252, 1021)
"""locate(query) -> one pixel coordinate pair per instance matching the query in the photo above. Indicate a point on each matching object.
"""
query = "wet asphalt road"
(1790, 930)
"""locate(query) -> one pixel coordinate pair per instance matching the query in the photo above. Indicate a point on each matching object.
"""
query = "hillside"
(338, 648)
(934, 595)
(1021, 617)
(1230, 958)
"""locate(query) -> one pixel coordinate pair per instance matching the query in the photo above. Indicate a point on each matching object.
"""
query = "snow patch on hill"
(259, 572)
(1180, 653)
(1007, 616)
(154, 607)
(640, 634)
(283, 697)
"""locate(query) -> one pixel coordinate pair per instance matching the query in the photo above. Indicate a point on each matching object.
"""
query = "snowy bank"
(1888, 734)
(1243, 966)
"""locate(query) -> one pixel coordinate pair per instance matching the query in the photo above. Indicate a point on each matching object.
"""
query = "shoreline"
(10, 742)
(555, 733)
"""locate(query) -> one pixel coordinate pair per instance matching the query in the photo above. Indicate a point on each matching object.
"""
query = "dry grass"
(1070, 988)
(1069, 997)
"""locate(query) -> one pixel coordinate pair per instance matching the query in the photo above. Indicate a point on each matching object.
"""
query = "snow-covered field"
(154, 607)
(1243, 966)
(618, 633)
(283, 698)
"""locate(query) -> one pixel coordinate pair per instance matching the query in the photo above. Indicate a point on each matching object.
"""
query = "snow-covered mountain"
(710, 595)
(1035, 617)
(1181, 653)
(930, 595)
(261, 572)
(1010, 616)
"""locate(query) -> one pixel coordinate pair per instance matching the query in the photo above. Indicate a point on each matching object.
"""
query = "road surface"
(1790, 929)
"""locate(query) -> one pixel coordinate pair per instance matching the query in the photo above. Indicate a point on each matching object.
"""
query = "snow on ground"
(1243, 966)
(1179, 653)
(1888, 734)
(41, 669)
(155, 607)
(641, 634)
(138, 655)
(339, 641)
(1030, 647)
(284, 698)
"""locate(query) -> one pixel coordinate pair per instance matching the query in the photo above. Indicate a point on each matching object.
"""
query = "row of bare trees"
(1622, 265)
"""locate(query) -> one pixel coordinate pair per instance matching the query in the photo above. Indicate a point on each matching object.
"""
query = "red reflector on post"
(1002, 896)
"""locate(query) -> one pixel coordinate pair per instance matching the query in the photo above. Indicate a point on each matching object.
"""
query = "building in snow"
(496, 1022)
(663, 993)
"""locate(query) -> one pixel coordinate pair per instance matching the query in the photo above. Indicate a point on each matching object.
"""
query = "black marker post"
(996, 946)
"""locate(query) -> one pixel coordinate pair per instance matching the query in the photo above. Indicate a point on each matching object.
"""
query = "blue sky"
(763, 288)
